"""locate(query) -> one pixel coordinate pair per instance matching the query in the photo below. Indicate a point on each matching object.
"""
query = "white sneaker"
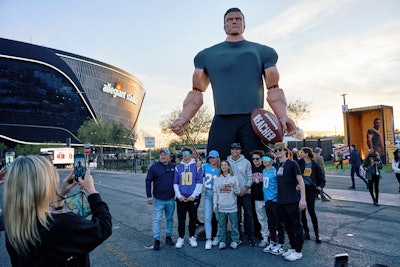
(288, 252)
(193, 242)
(222, 245)
(234, 245)
(277, 249)
(208, 244)
(263, 244)
(215, 242)
(294, 256)
(268, 249)
(180, 242)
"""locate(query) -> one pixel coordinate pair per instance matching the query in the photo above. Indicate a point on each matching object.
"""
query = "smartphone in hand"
(79, 165)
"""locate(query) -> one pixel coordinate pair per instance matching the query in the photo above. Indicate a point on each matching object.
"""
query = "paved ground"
(339, 181)
(349, 223)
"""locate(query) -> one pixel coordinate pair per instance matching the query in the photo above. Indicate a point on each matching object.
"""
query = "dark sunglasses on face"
(279, 149)
(256, 158)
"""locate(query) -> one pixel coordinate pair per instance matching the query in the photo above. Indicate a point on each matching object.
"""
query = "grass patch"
(330, 166)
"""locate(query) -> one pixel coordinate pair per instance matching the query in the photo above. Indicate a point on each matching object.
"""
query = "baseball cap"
(317, 150)
(165, 150)
(213, 154)
(294, 149)
(236, 145)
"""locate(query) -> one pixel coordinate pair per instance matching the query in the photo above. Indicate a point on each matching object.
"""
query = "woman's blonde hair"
(30, 189)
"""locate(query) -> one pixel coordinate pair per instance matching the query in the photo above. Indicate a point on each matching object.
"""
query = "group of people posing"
(271, 194)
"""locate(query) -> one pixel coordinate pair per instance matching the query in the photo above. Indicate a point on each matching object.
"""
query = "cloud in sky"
(322, 58)
(297, 19)
(320, 67)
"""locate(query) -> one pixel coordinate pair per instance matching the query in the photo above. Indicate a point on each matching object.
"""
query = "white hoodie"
(225, 195)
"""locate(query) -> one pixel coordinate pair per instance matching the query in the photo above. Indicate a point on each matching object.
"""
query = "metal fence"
(325, 144)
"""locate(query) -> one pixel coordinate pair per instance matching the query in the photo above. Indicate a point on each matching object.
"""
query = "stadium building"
(47, 94)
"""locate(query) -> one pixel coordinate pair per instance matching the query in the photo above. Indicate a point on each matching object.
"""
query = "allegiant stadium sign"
(108, 88)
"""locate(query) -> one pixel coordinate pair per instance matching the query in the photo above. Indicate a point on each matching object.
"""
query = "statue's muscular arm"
(277, 100)
(370, 134)
(192, 102)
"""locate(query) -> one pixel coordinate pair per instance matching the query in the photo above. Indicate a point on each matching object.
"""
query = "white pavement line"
(342, 176)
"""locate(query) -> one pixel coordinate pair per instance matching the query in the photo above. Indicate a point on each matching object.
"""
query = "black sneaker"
(352, 187)
(156, 245)
(307, 236)
(169, 242)
(252, 243)
(199, 223)
(318, 239)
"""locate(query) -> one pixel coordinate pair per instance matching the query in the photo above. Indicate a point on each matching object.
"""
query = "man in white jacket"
(241, 168)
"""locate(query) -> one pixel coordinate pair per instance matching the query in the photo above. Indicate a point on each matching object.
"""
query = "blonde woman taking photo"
(38, 233)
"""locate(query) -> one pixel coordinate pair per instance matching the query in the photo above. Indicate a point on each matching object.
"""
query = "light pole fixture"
(345, 108)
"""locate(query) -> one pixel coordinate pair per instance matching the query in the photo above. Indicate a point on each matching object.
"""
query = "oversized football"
(266, 126)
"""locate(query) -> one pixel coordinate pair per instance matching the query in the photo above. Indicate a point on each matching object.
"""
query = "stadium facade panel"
(47, 94)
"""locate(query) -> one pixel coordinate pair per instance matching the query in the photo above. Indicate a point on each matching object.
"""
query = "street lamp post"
(345, 108)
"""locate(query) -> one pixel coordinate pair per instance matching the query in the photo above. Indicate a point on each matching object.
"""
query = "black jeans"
(310, 199)
(398, 179)
(245, 202)
(356, 170)
(289, 214)
(274, 224)
(374, 183)
(227, 129)
(182, 208)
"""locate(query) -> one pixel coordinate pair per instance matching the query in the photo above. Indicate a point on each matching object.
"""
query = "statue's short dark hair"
(233, 9)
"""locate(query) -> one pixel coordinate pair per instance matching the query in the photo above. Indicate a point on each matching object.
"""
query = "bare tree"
(298, 109)
(197, 129)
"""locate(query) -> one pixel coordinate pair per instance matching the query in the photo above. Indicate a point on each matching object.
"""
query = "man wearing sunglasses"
(289, 204)
(161, 176)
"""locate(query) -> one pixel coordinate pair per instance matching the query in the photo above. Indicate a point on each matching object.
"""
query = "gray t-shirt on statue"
(235, 70)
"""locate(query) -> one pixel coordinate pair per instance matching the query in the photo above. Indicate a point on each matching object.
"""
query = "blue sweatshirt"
(188, 180)
(162, 177)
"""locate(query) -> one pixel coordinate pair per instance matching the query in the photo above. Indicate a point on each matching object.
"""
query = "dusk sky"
(326, 48)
